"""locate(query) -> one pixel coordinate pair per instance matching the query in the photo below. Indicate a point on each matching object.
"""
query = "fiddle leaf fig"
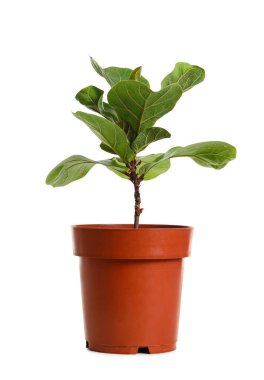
(147, 137)
(210, 154)
(141, 107)
(114, 75)
(109, 133)
(76, 167)
(126, 126)
(69, 170)
(185, 75)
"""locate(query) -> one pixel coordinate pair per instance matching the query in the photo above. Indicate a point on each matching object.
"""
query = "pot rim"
(122, 241)
(130, 227)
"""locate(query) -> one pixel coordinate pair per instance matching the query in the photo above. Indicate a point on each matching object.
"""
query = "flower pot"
(131, 285)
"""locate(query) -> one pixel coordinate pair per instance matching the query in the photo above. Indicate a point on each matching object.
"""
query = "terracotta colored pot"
(131, 285)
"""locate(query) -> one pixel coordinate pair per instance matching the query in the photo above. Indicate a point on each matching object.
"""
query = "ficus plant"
(126, 125)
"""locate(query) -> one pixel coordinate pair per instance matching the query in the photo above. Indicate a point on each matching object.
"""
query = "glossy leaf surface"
(186, 75)
(141, 107)
(109, 133)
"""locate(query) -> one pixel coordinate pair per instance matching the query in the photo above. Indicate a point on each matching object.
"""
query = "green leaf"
(75, 167)
(210, 154)
(114, 75)
(92, 98)
(69, 170)
(157, 169)
(89, 97)
(107, 111)
(136, 73)
(109, 133)
(116, 166)
(141, 107)
(129, 131)
(97, 67)
(185, 75)
(106, 148)
(147, 137)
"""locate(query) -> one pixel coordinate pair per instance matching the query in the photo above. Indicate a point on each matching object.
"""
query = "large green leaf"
(211, 154)
(157, 169)
(114, 75)
(109, 133)
(69, 170)
(76, 167)
(141, 107)
(185, 75)
(147, 137)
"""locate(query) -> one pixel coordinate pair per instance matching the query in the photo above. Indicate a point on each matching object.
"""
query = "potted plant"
(131, 275)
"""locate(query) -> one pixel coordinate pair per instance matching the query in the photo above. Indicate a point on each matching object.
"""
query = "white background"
(45, 52)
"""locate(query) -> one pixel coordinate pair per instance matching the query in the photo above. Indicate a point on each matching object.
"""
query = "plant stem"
(136, 180)
(137, 204)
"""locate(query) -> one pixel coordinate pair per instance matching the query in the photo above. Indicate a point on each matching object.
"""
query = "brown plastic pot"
(131, 285)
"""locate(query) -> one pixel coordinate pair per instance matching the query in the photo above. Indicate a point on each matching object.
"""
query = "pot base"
(131, 349)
